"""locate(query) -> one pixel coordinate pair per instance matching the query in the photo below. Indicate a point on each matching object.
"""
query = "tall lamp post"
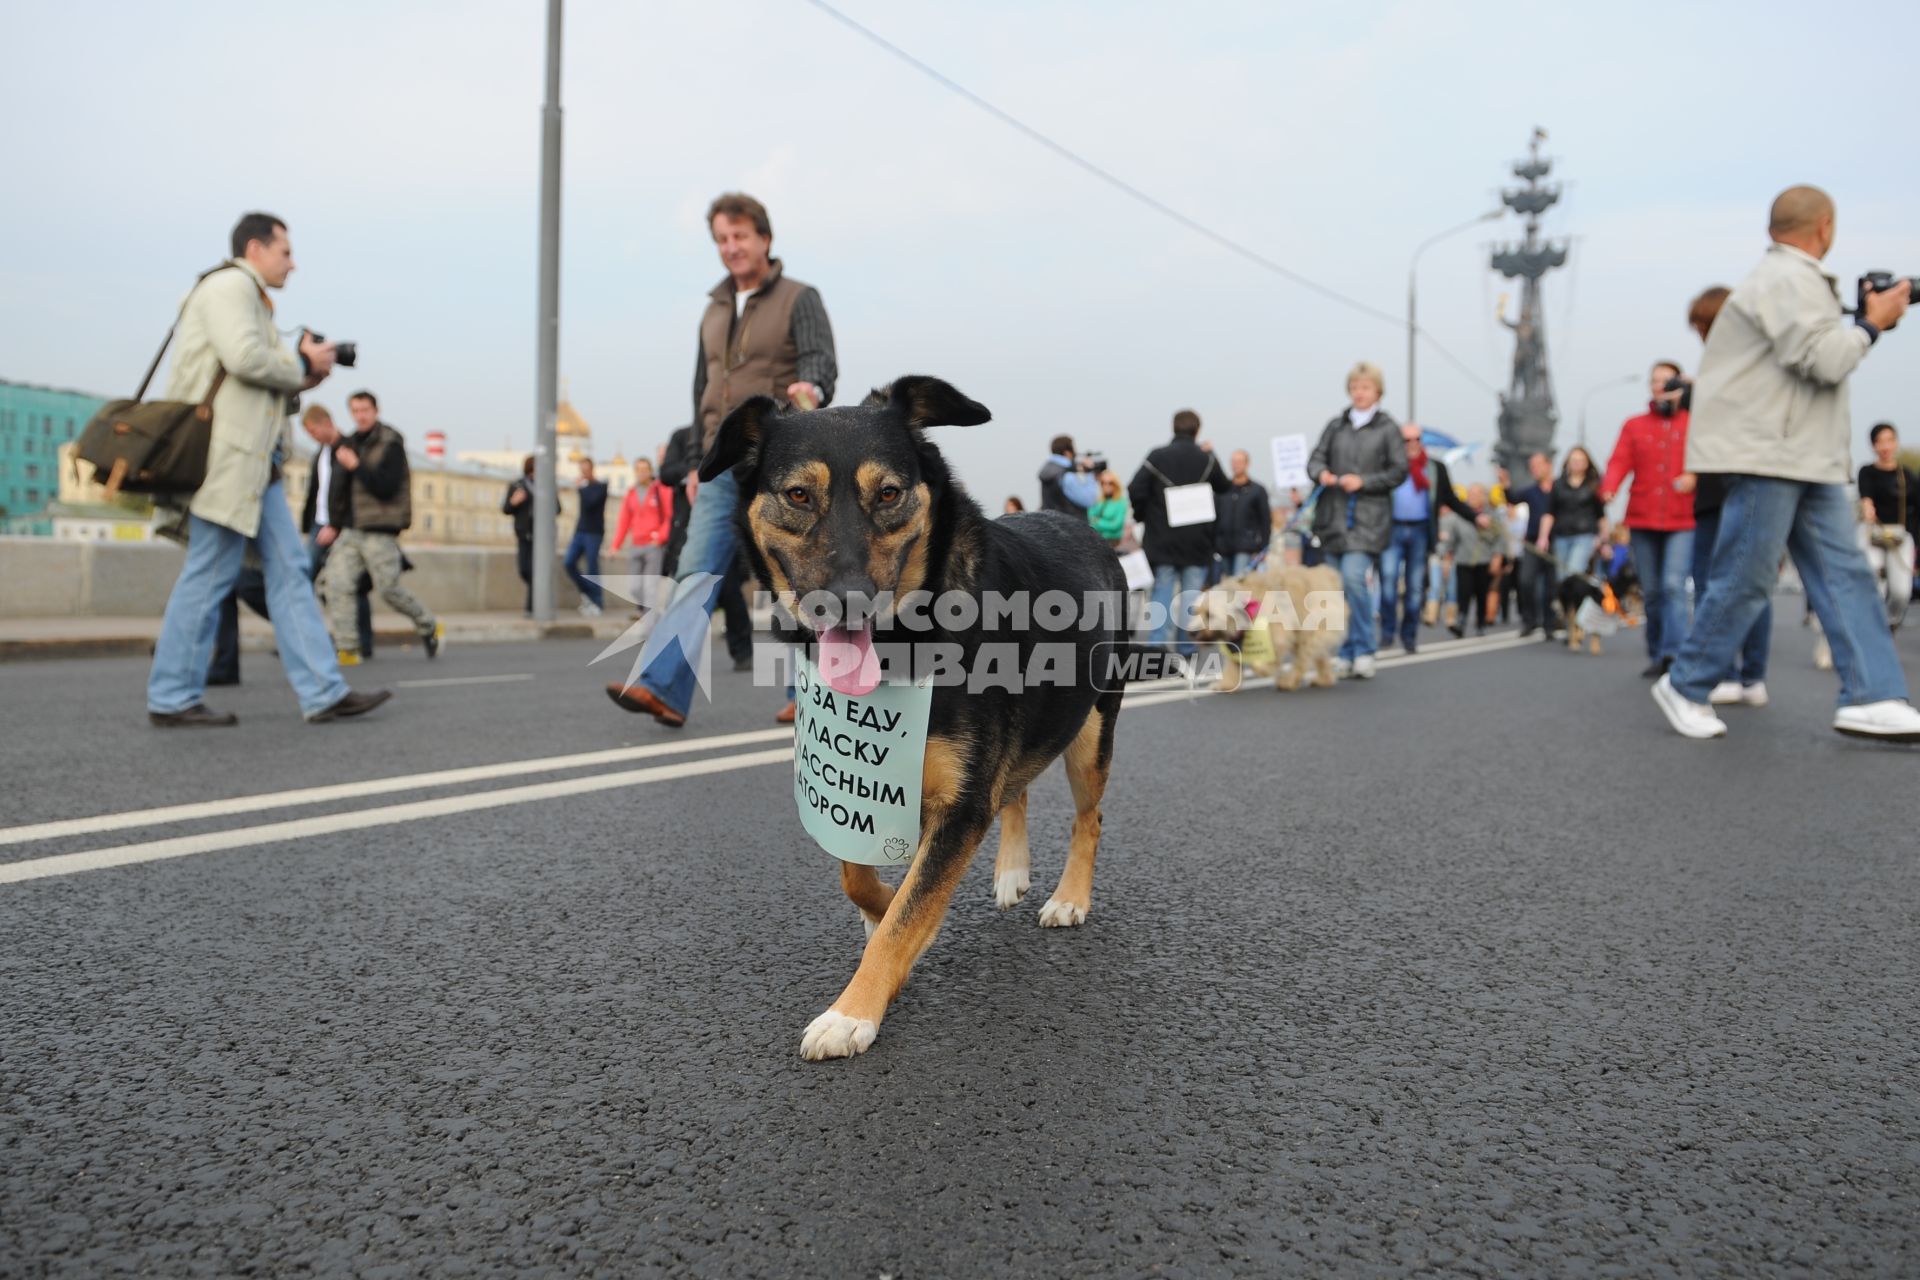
(546, 461)
(1587, 399)
(1413, 271)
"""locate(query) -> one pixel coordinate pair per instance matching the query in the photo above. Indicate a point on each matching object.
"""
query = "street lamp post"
(1587, 399)
(546, 501)
(1413, 327)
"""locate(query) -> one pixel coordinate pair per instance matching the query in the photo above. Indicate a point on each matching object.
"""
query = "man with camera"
(1069, 483)
(1770, 413)
(225, 332)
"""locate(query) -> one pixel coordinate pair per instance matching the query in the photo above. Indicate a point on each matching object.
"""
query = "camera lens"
(345, 353)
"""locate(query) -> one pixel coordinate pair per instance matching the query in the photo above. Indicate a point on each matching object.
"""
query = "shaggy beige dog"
(1306, 615)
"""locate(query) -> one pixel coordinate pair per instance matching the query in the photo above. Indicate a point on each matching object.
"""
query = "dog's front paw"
(835, 1035)
(1009, 887)
(1061, 914)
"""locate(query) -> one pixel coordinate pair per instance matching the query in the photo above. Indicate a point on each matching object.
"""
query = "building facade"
(34, 423)
(454, 504)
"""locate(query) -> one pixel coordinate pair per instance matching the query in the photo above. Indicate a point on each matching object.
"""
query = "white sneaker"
(1342, 669)
(588, 609)
(1363, 667)
(1731, 693)
(1689, 719)
(1889, 721)
(1734, 693)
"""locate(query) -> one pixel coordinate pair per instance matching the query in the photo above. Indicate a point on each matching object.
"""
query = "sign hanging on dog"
(856, 765)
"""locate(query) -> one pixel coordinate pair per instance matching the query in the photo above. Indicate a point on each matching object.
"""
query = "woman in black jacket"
(1572, 522)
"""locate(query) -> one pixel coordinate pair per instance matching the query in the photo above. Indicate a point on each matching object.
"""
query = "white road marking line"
(436, 684)
(328, 824)
(375, 786)
(301, 828)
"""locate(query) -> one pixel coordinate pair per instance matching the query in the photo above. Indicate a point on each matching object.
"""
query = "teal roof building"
(34, 423)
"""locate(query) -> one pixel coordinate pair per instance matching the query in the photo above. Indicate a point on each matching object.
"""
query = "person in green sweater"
(1109, 516)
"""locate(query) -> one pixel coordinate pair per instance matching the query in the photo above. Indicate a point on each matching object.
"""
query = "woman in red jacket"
(1653, 450)
(646, 516)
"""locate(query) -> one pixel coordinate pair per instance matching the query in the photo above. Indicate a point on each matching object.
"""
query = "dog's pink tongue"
(848, 662)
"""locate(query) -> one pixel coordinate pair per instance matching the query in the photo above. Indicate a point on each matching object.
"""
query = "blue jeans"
(1166, 578)
(1409, 550)
(362, 601)
(585, 546)
(705, 558)
(215, 554)
(1662, 558)
(1575, 552)
(1240, 563)
(1752, 667)
(1814, 523)
(1360, 639)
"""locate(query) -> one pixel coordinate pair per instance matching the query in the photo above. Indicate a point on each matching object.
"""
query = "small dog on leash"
(1575, 591)
(1306, 615)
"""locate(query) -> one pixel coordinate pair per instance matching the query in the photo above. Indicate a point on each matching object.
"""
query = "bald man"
(1770, 417)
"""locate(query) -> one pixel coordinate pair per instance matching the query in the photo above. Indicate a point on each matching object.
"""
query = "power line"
(1135, 193)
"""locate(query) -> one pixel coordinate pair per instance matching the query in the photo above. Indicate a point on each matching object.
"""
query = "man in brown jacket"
(763, 333)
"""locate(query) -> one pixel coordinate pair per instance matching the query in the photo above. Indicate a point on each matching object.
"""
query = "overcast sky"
(401, 143)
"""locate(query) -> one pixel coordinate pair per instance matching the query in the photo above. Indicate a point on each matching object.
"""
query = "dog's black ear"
(929, 402)
(740, 437)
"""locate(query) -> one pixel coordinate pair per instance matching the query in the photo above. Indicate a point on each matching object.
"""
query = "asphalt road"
(1475, 968)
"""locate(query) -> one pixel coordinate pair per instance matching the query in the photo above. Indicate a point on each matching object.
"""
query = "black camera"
(1094, 461)
(344, 353)
(1685, 387)
(1880, 282)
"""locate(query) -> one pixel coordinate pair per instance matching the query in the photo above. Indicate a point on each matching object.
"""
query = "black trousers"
(523, 561)
(1536, 590)
(733, 605)
(250, 588)
(1472, 583)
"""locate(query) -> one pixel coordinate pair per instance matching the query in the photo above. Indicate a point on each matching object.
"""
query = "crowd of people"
(1726, 476)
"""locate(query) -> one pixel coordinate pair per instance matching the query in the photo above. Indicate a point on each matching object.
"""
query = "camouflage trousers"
(378, 556)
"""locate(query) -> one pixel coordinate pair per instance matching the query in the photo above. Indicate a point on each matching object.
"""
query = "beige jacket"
(228, 323)
(1771, 399)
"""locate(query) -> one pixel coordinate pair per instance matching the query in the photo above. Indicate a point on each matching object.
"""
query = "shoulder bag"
(156, 448)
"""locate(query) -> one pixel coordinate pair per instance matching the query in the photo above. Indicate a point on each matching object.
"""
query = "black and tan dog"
(857, 502)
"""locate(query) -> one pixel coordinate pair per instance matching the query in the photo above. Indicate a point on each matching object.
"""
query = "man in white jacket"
(1770, 413)
(226, 332)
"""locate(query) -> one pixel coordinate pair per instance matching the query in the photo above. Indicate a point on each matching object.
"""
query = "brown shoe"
(641, 700)
(787, 713)
(354, 704)
(195, 717)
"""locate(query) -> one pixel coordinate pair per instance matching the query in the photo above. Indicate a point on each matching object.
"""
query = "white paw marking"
(1060, 915)
(835, 1035)
(868, 923)
(1009, 887)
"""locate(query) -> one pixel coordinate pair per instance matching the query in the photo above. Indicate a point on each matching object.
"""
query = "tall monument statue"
(1527, 415)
